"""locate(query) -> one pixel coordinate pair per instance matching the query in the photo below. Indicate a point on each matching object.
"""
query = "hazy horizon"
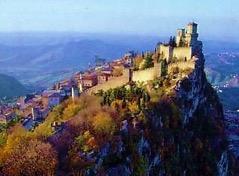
(217, 19)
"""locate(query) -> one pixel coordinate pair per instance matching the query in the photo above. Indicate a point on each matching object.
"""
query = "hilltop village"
(177, 55)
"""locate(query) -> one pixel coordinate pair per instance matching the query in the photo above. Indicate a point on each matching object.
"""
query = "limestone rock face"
(196, 99)
(223, 165)
(194, 93)
(181, 133)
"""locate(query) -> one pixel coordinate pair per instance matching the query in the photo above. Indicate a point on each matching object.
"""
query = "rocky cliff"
(194, 145)
(170, 126)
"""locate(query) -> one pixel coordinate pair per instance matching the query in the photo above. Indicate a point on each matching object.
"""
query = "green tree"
(148, 61)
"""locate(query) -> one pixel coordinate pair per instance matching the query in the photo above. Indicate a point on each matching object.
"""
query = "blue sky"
(216, 18)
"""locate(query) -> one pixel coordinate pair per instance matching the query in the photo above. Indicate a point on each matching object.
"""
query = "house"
(65, 87)
(39, 112)
(116, 65)
(108, 70)
(103, 77)
(51, 98)
(7, 116)
(22, 102)
(87, 81)
(129, 58)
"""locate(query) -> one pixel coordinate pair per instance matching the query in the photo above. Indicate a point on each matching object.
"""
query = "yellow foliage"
(66, 110)
(44, 129)
(142, 64)
(133, 107)
(117, 104)
(155, 95)
(3, 138)
(17, 134)
(118, 71)
(137, 61)
(70, 111)
(103, 123)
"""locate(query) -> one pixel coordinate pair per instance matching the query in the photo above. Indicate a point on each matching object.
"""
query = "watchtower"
(191, 36)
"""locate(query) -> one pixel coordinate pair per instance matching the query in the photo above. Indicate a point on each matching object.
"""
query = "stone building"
(187, 45)
(103, 77)
(86, 81)
(51, 98)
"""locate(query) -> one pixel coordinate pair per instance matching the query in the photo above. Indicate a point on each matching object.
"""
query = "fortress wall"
(166, 52)
(182, 52)
(137, 76)
(147, 74)
(112, 83)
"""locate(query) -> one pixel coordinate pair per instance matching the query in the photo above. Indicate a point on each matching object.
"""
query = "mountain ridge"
(10, 87)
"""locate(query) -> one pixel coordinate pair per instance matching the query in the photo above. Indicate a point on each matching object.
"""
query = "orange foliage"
(103, 123)
(30, 157)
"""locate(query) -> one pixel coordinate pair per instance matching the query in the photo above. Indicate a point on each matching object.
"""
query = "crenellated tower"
(187, 44)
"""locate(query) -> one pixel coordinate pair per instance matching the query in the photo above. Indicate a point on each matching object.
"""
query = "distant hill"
(10, 87)
(56, 59)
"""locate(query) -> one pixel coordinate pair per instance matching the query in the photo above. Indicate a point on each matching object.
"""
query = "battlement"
(188, 36)
(186, 46)
(128, 76)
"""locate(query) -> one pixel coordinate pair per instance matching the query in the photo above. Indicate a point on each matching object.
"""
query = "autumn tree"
(103, 123)
(137, 62)
(23, 154)
(31, 158)
(118, 71)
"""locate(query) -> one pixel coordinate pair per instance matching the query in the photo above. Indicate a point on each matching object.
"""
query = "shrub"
(103, 123)
(175, 70)
(118, 71)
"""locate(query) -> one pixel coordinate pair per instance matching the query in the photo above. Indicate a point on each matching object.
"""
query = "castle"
(181, 49)
(186, 45)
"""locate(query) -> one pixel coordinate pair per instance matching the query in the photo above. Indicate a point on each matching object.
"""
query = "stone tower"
(187, 45)
(191, 35)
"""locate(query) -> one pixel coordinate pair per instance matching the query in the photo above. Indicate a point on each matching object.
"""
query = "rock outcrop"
(183, 135)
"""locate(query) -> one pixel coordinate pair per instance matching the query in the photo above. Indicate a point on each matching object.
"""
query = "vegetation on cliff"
(136, 129)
